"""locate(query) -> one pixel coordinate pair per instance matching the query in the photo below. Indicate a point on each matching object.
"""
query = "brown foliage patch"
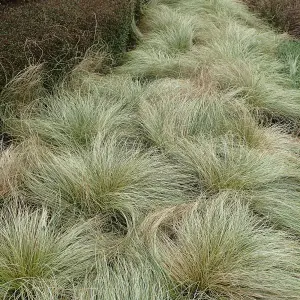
(284, 14)
(58, 32)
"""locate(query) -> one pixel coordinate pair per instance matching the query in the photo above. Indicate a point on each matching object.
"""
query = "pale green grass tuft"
(169, 31)
(259, 91)
(75, 120)
(267, 179)
(124, 279)
(218, 250)
(150, 64)
(112, 89)
(165, 51)
(172, 109)
(34, 254)
(280, 204)
(224, 164)
(108, 178)
(288, 53)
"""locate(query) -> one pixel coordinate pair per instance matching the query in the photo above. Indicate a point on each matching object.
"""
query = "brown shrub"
(58, 32)
(284, 14)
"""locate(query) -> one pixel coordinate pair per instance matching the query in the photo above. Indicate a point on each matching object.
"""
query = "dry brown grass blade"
(163, 219)
(15, 161)
(20, 93)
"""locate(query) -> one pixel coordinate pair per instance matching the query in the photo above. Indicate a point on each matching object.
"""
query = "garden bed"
(58, 33)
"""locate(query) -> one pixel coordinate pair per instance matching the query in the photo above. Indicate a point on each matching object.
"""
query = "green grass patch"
(289, 53)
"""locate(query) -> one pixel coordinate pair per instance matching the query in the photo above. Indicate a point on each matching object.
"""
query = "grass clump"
(164, 51)
(125, 279)
(35, 254)
(107, 179)
(169, 30)
(224, 164)
(279, 203)
(74, 120)
(267, 181)
(172, 109)
(218, 250)
(112, 89)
